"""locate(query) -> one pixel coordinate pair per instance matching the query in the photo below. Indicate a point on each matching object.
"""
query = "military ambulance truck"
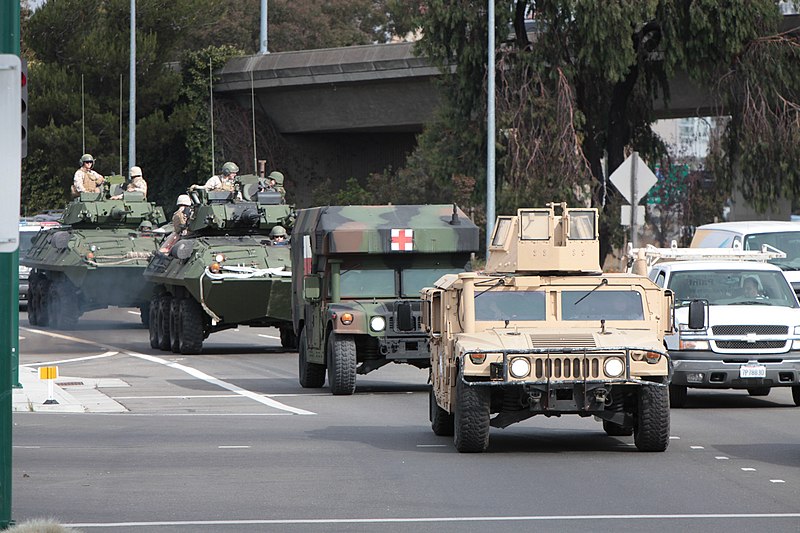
(356, 300)
(543, 331)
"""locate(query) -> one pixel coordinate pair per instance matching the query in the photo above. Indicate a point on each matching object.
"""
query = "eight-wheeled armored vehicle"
(94, 259)
(224, 270)
(355, 302)
(543, 331)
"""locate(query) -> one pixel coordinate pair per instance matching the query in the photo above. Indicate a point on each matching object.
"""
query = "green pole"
(9, 310)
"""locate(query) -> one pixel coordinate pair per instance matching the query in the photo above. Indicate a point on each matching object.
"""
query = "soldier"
(180, 219)
(278, 236)
(224, 181)
(86, 179)
(136, 183)
(276, 181)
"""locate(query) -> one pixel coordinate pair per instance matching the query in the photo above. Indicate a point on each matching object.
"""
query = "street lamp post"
(490, 134)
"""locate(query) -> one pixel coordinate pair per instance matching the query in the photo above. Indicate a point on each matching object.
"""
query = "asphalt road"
(228, 441)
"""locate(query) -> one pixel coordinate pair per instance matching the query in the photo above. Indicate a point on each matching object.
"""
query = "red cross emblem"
(402, 240)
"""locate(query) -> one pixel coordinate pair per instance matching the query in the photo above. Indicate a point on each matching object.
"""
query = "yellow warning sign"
(48, 372)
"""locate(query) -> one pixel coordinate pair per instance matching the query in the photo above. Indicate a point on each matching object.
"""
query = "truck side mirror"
(697, 314)
(311, 288)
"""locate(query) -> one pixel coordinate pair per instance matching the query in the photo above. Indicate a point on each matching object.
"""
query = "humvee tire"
(341, 354)
(152, 326)
(651, 433)
(678, 394)
(615, 430)
(471, 420)
(164, 339)
(442, 422)
(190, 317)
(175, 326)
(311, 375)
(796, 395)
(758, 391)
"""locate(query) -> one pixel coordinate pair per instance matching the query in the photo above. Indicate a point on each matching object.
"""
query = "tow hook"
(600, 396)
(534, 398)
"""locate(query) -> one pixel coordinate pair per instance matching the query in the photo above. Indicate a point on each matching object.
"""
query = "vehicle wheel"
(651, 433)
(442, 422)
(164, 338)
(471, 420)
(152, 325)
(66, 308)
(678, 395)
(33, 304)
(758, 391)
(175, 325)
(191, 326)
(312, 375)
(796, 395)
(288, 338)
(341, 364)
(144, 312)
(42, 303)
(615, 430)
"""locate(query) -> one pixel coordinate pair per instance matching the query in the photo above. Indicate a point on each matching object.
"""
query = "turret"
(554, 239)
(94, 209)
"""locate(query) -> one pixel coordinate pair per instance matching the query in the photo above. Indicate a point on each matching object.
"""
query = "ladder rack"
(652, 255)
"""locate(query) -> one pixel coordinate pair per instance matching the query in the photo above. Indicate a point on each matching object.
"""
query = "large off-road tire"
(678, 394)
(144, 313)
(190, 315)
(471, 420)
(65, 306)
(759, 391)
(651, 433)
(152, 325)
(164, 334)
(288, 338)
(311, 375)
(175, 325)
(796, 395)
(341, 355)
(615, 430)
(442, 422)
(42, 303)
(33, 304)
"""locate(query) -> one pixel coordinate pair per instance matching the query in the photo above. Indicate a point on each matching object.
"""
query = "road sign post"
(632, 176)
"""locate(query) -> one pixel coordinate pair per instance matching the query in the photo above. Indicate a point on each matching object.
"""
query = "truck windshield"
(512, 306)
(363, 283)
(601, 305)
(414, 279)
(726, 287)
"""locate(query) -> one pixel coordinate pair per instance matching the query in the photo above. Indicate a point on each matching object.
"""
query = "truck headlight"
(693, 345)
(614, 367)
(519, 367)
(377, 323)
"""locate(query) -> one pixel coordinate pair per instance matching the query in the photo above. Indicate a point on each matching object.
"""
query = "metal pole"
(264, 37)
(490, 134)
(83, 119)
(253, 110)
(211, 99)
(132, 92)
(634, 198)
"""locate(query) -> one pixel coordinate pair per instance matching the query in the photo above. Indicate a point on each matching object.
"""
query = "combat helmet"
(277, 231)
(229, 168)
(183, 199)
(277, 176)
(86, 157)
(145, 225)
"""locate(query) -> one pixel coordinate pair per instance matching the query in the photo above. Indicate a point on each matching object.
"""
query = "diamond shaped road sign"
(633, 168)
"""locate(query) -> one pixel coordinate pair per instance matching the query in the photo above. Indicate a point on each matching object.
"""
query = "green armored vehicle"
(230, 267)
(355, 302)
(94, 259)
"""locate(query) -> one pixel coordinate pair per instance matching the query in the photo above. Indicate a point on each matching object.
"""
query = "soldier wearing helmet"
(86, 179)
(278, 236)
(180, 219)
(224, 181)
(135, 184)
(145, 227)
(276, 182)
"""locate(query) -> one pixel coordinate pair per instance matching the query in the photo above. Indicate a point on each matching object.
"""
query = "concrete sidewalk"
(74, 395)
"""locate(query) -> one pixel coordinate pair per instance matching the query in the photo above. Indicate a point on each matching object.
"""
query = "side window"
(660, 279)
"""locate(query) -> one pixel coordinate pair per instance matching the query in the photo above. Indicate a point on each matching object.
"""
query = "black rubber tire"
(191, 327)
(33, 295)
(678, 395)
(796, 395)
(759, 391)
(615, 430)
(342, 360)
(43, 310)
(471, 420)
(66, 307)
(175, 325)
(442, 422)
(164, 338)
(310, 375)
(651, 433)
(152, 325)
(288, 338)
(144, 313)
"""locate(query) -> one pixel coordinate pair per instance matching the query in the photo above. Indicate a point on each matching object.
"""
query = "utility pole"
(263, 27)
(490, 134)
(132, 92)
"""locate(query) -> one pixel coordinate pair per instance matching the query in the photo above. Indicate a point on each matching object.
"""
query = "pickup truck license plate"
(752, 371)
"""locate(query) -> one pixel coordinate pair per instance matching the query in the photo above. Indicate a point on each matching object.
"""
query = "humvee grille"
(566, 367)
(562, 341)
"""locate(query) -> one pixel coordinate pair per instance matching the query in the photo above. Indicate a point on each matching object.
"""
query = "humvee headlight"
(613, 367)
(520, 367)
(346, 318)
(214, 267)
(377, 323)
(219, 258)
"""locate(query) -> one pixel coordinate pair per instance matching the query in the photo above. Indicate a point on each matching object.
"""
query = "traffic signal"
(24, 97)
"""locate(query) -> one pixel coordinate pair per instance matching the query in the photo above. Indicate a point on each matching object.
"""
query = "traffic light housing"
(24, 99)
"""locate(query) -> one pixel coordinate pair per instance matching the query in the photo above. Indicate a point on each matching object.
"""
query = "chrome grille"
(562, 341)
(744, 345)
(767, 329)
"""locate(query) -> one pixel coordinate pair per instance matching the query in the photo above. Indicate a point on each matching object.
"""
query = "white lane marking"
(27, 447)
(189, 370)
(191, 414)
(200, 396)
(21, 338)
(776, 481)
(673, 437)
(432, 445)
(269, 336)
(46, 363)
(232, 447)
(721, 458)
(697, 447)
(747, 469)
(137, 313)
(433, 519)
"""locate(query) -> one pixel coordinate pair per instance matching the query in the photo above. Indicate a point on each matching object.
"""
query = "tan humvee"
(544, 331)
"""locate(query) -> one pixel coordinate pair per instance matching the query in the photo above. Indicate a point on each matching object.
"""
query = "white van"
(785, 236)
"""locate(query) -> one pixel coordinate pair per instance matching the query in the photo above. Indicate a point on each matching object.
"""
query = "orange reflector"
(653, 357)
(90, 255)
(214, 267)
(347, 318)
(477, 358)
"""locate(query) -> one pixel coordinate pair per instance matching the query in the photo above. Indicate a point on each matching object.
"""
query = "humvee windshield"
(601, 305)
(510, 305)
(726, 287)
